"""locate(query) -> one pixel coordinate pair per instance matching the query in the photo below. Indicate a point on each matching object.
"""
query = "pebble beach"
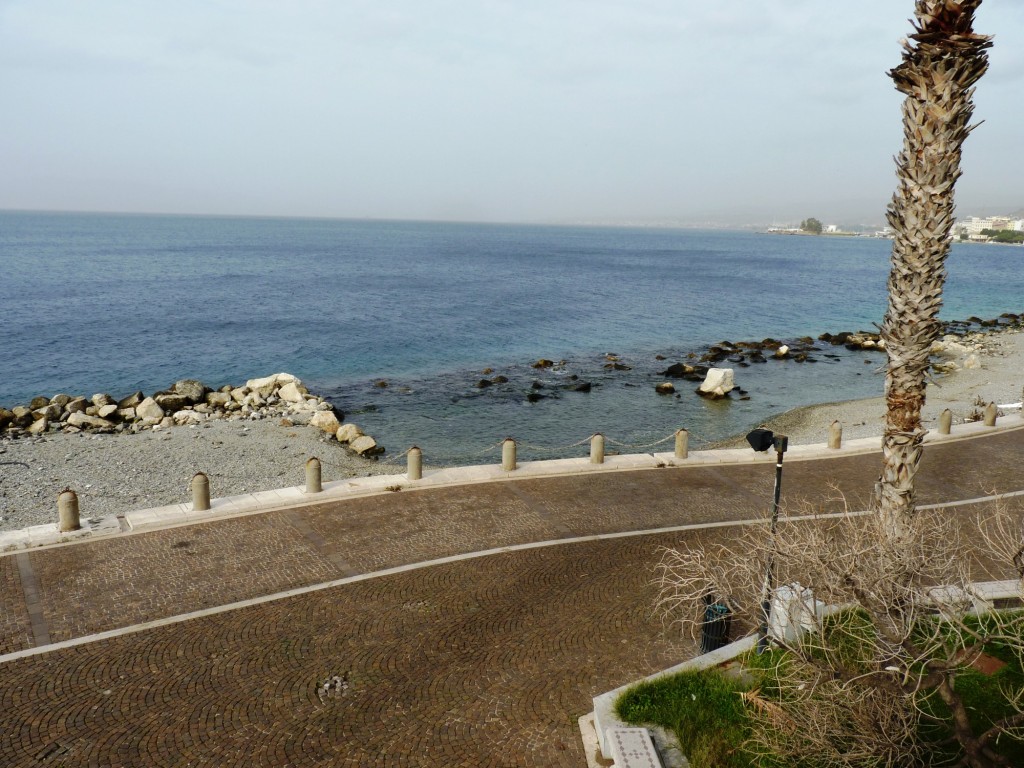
(113, 473)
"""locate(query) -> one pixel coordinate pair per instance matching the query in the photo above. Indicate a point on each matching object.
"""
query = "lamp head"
(760, 439)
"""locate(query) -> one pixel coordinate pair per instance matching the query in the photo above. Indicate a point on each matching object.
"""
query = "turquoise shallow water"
(111, 303)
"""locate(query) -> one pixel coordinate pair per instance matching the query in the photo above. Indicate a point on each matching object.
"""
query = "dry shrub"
(893, 623)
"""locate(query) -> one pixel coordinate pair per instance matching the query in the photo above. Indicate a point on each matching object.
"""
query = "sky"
(689, 111)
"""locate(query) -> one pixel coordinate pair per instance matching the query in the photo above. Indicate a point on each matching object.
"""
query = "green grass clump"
(702, 708)
(705, 711)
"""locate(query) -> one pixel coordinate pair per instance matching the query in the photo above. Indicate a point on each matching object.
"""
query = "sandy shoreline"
(114, 474)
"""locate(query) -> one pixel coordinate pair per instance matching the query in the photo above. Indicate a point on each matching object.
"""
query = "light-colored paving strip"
(438, 561)
(30, 589)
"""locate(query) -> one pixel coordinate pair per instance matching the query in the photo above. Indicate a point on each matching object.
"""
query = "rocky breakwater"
(717, 382)
(186, 402)
(955, 352)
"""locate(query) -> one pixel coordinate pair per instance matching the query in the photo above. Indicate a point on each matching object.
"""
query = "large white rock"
(149, 409)
(364, 444)
(325, 420)
(347, 433)
(293, 392)
(718, 382)
(39, 426)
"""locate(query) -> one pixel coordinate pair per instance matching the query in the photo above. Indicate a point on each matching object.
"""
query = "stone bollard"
(990, 414)
(313, 475)
(200, 492)
(682, 443)
(414, 464)
(945, 422)
(508, 454)
(597, 448)
(835, 435)
(67, 511)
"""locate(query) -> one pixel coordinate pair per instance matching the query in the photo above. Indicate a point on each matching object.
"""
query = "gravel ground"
(116, 473)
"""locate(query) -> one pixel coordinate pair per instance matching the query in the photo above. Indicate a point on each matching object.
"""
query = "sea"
(397, 322)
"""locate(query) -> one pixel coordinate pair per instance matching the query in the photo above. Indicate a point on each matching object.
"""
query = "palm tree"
(942, 61)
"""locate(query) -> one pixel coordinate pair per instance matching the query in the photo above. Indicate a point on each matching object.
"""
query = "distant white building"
(832, 229)
(973, 226)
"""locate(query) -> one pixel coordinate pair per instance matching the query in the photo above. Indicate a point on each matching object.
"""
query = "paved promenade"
(478, 661)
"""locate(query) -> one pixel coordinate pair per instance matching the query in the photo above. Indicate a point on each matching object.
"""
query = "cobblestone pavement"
(479, 662)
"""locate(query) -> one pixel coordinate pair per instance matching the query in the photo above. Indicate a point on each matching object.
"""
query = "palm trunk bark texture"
(942, 60)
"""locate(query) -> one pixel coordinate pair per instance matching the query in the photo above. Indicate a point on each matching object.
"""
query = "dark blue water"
(92, 303)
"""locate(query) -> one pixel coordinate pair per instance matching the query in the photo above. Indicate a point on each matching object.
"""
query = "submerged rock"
(677, 370)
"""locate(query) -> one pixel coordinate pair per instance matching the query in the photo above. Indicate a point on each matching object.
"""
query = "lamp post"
(761, 440)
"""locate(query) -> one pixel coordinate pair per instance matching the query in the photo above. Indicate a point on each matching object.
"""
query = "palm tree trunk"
(942, 61)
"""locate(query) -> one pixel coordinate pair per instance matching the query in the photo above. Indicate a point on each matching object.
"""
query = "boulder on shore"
(191, 389)
(293, 392)
(80, 420)
(131, 401)
(22, 416)
(347, 433)
(365, 445)
(171, 402)
(149, 409)
(187, 402)
(76, 405)
(326, 421)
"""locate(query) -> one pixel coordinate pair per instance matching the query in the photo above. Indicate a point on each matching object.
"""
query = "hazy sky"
(521, 110)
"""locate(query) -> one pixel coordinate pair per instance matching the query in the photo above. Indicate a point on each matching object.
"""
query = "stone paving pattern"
(15, 626)
(454, 665)
(480, 662)
(127, 580)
